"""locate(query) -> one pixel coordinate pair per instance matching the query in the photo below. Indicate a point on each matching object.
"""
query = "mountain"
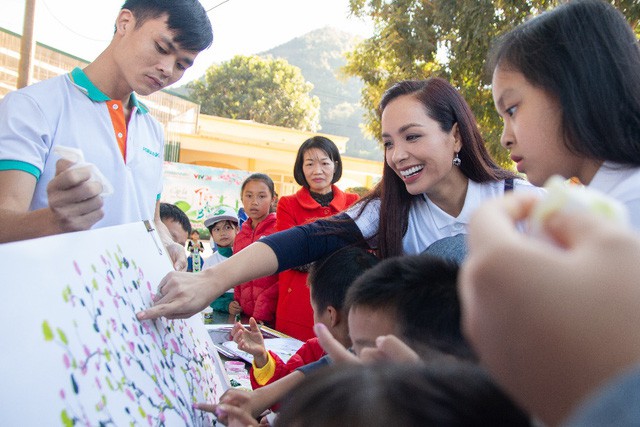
(320, 54)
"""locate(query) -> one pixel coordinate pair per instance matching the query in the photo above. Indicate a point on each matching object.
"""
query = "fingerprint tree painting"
(122, 371)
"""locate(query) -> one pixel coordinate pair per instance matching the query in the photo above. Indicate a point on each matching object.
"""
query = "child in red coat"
(256, 298)
(328, 281)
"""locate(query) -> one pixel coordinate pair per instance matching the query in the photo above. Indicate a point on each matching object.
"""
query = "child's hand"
(251, 341)
(234, 307)
(234, 408)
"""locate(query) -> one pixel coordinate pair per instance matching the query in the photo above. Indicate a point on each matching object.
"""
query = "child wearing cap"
(223, 226)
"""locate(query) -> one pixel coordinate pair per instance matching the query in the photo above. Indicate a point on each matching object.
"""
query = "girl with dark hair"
(567, 84)
(437, 172)
(317, 168)
(256, 297)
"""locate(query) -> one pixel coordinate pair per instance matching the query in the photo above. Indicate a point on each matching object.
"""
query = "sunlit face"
(416, 148)
(178, 234)
(318, 169)
(367, 324)
(148, 57)
(256, 200)
(224, 233)
(532, 128)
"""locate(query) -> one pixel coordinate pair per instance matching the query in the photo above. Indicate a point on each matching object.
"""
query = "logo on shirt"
(153, 153)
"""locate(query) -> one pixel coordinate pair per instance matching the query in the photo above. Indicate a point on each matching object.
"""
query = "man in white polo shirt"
(95, 110)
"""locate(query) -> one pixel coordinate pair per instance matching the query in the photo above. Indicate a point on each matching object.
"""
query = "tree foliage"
(265, 90)
(415, 39)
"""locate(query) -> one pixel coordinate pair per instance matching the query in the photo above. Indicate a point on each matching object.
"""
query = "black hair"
(420, 291)
(171, 211)
(586, 56)
(186, 17)
(260, 177)
(443, 393)
(324, 144)
(234, 224)
(444, 104)
(330, 277)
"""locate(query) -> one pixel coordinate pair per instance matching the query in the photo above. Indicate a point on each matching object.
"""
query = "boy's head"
(195, 236)
(155, 41)
(186, 18)
(413, 297)
(176, 222)
(223, 226)
(448, 392)
(329, 279)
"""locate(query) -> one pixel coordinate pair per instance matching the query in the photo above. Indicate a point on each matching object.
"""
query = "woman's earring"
(456, 160)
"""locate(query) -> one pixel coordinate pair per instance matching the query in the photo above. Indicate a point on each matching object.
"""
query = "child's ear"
(334, 316)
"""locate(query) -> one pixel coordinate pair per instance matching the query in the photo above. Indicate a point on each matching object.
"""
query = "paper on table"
(283, 347)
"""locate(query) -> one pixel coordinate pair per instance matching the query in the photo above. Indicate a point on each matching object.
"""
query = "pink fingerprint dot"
(65, 360)
(62, 395)
(77, 267)
(175, 345)
(87, 352)
(130, 395)
(161, 416)
(132, 346)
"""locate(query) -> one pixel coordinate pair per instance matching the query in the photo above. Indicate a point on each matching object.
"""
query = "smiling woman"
(436, 173)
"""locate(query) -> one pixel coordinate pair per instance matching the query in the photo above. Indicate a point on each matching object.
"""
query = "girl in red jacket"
(256, 298)
(317, 168)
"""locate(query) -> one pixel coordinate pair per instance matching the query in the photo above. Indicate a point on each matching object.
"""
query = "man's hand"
(74, 199)
(177, 255)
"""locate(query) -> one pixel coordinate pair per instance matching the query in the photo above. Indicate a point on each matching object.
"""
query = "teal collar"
(81, 80)
(225, 252)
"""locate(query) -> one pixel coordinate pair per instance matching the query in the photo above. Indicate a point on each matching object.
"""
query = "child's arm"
(257, 401)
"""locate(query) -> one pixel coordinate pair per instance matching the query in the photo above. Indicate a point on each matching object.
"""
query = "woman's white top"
(427, 222)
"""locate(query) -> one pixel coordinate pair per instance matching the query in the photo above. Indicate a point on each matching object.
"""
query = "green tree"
(416, 39)
(265, 90)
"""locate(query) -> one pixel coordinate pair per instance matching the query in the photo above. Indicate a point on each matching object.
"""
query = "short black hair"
(170, 211)
(330, 277)
(420, 291)
(446, 392)
(324, 144)
(186, 17)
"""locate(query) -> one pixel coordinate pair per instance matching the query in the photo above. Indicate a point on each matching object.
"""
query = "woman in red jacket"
(256, 298)
(317, 168)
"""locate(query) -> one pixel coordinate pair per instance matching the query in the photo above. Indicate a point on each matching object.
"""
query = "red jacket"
(295, 315)
(309, 352)
(258, 298)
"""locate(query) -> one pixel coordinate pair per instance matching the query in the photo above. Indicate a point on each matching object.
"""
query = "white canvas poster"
(72, 351)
